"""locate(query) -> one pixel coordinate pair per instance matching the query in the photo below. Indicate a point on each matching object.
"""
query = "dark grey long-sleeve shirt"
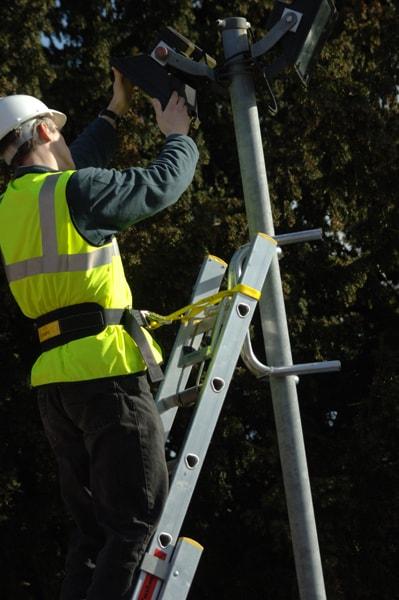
(104, 201)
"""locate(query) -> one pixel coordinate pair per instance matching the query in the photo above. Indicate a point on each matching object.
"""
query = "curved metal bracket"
(186, 65)
(288, 22)
(248, 356)
(260, 370)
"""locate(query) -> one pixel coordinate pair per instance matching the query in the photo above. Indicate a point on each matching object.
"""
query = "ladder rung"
(195, 356)
(185, 398)
(205, 324)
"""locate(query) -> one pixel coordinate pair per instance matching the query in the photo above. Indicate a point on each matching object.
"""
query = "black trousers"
(108, 440)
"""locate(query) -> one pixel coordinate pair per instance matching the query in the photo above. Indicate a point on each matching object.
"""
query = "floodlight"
(311, 21)
(159, 78)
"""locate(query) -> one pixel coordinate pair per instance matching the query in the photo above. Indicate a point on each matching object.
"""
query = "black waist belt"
(81, 320)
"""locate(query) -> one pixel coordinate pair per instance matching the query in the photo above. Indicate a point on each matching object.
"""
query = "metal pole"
(274, 321)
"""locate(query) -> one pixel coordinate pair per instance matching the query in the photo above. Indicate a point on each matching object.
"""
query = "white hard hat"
(19, 109)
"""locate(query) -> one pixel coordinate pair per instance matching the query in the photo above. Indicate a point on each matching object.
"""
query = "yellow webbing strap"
(190, 311)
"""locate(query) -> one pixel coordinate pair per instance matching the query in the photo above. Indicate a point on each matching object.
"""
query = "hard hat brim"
(59, 118)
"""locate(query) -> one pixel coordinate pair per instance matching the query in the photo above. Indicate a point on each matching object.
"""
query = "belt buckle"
(48, 331)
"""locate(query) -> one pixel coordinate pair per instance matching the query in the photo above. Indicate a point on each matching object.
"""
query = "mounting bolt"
(293, 18)
(161, 53)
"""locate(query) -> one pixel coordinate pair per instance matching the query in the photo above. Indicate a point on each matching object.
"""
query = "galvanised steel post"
(273, 316)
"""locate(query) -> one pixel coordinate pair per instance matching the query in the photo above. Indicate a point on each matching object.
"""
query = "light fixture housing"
(302, 45)
(158, 78)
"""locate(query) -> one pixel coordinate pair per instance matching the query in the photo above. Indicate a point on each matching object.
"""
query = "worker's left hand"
(123, 89)
(175, 117)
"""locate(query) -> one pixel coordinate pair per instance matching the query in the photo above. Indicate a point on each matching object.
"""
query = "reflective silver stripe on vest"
(51, 261)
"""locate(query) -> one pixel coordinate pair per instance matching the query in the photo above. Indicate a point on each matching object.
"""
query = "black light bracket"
(186, 66)
(288, 22)
(174, 63)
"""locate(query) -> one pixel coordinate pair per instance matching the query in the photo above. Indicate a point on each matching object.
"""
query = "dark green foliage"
(332, 156)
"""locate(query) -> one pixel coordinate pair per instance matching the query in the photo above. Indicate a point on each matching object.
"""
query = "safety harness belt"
(81, 320)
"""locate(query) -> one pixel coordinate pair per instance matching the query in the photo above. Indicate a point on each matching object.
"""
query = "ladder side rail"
(208, 282)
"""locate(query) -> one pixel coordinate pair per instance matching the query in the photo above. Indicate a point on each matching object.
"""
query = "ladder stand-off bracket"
(248, 356)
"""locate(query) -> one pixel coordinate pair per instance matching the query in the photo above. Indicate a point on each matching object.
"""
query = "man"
(58, 218)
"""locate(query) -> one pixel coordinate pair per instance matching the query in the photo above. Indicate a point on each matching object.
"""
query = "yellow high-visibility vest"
(49, 265)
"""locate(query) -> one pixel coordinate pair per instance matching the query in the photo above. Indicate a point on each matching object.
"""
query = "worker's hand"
(123, 89)
(175, 118)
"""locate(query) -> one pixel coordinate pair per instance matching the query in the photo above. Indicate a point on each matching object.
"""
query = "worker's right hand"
(122, 94)
(175, 118)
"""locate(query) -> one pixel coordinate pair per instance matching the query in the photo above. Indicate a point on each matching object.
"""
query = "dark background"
(332, 155)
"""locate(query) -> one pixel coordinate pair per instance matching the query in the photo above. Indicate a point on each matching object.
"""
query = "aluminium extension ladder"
(213, 340)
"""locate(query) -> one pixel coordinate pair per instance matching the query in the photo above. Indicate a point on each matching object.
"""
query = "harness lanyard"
(186, 313)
